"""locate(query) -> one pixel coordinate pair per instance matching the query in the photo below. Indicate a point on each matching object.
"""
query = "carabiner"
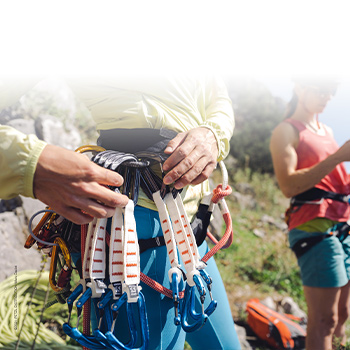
(88, 341)
(106, 314)
(189, 311)
(113, 342)
(90, 148)
(41, 229)
(175, 288)
(66, 271)
(213, 303)
(141, 306)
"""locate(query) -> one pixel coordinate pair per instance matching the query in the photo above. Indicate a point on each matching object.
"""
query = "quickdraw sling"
(110, 255)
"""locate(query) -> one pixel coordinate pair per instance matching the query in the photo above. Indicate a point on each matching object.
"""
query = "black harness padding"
(136, 140)
(131, 144)
(200, 223)
(316, 193)
(151, 243)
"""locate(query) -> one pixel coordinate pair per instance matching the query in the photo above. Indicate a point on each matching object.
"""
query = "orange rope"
(225, 242)
(158, 287)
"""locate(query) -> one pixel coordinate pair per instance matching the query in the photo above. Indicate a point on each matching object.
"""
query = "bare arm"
(284, 157)
(74, 187)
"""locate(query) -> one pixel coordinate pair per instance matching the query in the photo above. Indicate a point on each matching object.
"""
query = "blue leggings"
(217, 333)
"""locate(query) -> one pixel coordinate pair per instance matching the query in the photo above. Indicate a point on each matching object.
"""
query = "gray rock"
(13, 255)
(291, 307)
(30, 207)
(24, 125)
(242, 335)
(272, 221)
(53, 131)
(269, 302)
(244, 201)
(259, 233)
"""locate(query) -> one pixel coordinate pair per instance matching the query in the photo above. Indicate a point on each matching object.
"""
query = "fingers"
(91, 207)
(72, 214)
(193, 158)
(204, 175)
(82, 210)
(195, 175)
(181, 146)
(106, 176)
(191, 164)
(175, 142)
(104, 195)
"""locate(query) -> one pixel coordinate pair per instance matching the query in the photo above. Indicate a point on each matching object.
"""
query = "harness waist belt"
(305, 244)
(135, 140)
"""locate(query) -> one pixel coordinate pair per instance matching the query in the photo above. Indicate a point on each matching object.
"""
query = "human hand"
(75, 187)
(193, 157)
(343, 152)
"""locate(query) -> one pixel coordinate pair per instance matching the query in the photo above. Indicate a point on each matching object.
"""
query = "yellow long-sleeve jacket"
(178, 104)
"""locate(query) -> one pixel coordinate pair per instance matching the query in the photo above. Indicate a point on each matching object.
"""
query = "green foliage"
(257, 113)
(259, 266)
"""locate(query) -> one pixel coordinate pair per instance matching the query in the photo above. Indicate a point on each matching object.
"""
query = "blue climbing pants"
(217, 333)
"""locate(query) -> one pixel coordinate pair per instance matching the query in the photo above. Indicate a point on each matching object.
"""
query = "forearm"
(303, 179)
(19, 155)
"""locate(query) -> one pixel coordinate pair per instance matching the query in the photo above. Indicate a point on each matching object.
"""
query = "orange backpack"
(281, 331)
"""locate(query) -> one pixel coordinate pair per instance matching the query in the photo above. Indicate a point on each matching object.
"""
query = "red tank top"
(312, 149)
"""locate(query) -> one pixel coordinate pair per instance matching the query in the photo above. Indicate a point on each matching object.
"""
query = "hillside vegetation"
(259, 263)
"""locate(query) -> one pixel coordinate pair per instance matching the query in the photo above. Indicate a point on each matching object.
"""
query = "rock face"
(16, 213)
(13, 255)
(53, 131)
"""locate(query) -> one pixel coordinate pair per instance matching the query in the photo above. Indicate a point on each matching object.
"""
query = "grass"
(257, 266)
(253, 266)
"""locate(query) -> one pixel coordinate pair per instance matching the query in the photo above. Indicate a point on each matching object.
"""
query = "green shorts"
(326, 264)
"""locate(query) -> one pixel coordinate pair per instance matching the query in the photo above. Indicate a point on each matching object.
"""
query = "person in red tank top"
(305, 155)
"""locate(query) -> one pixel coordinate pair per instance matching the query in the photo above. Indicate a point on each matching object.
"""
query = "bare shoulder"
(285, 133)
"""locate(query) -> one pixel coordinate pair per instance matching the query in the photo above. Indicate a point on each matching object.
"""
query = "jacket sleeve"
(219, 117)
(19, 154)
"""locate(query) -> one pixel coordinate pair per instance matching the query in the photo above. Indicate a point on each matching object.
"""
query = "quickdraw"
(121, 288)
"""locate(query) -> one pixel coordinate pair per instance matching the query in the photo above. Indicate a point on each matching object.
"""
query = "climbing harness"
(110, 254)
(316, 196)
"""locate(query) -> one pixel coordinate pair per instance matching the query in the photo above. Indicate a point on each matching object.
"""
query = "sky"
(270, 40)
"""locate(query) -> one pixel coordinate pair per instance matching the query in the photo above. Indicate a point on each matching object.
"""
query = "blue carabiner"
(70, 300)
(213, 303)
(188, 311)
(141, 305)
(175, 288)
(104, 314)
(111, 320)
(85, 340)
